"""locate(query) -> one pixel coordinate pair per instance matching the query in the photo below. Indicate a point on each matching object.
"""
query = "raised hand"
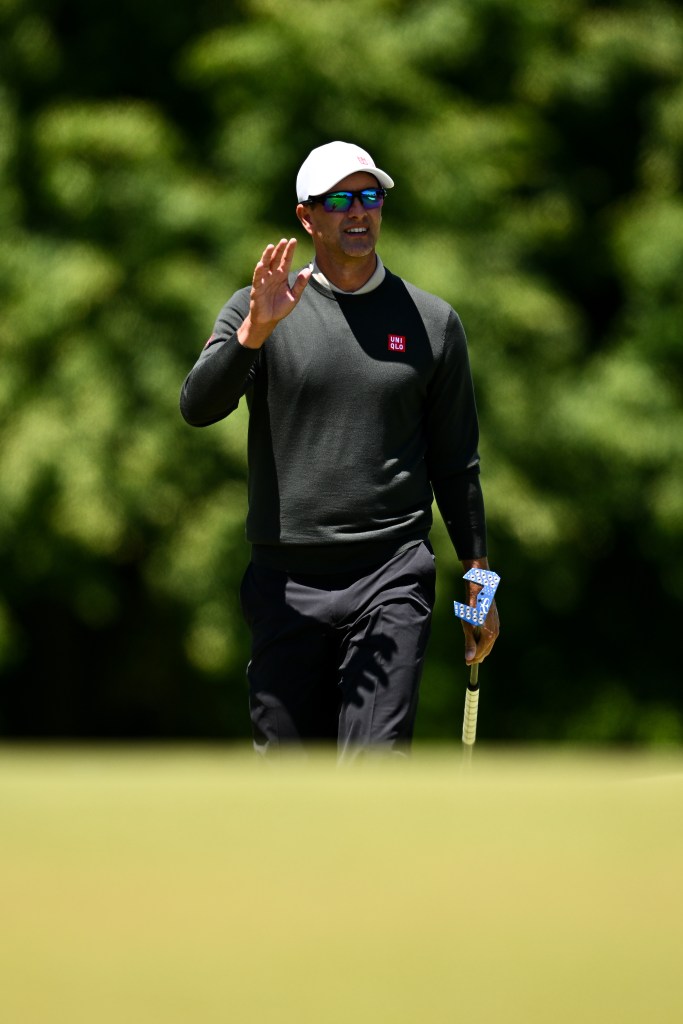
(271, 298)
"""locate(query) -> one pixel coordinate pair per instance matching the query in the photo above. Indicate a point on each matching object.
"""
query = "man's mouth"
(356, 231)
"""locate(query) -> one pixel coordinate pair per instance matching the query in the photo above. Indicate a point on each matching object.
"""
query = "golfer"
(361, 411)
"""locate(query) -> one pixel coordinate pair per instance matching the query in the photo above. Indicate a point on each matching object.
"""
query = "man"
(361, 410)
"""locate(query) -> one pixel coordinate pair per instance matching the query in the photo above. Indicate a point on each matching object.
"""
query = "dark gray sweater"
(359, 406)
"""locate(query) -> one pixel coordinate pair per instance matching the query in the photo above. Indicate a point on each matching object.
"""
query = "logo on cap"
(397, 343)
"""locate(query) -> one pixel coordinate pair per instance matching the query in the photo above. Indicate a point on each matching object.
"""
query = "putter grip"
(469, 722)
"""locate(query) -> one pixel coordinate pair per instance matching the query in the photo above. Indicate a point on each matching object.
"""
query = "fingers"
(470, 643)
(302, 280)
(271, 297)
(484, 646)
(264, 265)
(479, 642)
(287, 254)
(278, 257)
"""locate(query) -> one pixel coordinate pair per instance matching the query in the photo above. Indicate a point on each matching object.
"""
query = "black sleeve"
(453, 439)
(461, 504)
(224, 370)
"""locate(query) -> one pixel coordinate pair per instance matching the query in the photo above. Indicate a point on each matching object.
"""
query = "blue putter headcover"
(489, 582)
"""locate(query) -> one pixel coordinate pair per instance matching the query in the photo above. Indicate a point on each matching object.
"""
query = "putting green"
(197, 886)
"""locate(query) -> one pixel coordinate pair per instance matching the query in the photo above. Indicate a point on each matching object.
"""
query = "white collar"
(378, 276)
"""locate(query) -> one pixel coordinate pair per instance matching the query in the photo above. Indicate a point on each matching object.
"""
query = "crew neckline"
(373, 282)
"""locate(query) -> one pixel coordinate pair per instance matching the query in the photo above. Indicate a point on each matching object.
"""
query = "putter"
(477, 616)
(469, 720)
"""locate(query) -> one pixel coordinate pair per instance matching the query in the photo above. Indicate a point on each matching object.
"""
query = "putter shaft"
(469, 722)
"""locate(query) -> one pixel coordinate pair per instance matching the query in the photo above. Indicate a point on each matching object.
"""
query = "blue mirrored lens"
(340, 202)
(371, 198)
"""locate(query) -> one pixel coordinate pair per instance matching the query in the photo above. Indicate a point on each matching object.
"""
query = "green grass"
(196, 886)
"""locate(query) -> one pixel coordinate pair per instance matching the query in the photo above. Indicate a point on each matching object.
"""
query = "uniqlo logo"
(397, 343)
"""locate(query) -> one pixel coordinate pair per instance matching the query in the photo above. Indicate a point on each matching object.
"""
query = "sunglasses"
(340, 202)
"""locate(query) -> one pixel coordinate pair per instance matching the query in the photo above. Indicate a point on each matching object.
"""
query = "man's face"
(351, 234)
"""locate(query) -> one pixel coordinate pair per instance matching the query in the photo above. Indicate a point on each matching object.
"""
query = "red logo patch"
(397, 343)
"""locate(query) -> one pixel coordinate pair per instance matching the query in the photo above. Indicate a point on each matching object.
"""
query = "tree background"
(148, 152)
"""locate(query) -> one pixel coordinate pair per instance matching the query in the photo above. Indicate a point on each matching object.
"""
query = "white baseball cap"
(327, 165)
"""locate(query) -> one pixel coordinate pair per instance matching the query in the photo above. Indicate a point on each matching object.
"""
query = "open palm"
(271, 297)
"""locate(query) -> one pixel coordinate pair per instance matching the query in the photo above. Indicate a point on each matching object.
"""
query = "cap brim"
(325, 185)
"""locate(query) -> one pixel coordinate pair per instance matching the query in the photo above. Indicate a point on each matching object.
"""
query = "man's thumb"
(471, 637)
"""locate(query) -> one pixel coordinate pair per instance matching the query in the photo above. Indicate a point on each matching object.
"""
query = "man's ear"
(304, 214)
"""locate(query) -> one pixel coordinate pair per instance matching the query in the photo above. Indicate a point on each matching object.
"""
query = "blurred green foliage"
(147, 155)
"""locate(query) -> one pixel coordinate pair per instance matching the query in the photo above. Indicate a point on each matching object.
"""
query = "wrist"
(251, 335)
(475, 563)
(472, 588)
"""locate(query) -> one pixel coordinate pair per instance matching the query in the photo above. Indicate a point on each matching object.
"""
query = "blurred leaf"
(148, 154)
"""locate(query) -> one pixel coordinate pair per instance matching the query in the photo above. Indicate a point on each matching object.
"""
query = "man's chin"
(360, 248)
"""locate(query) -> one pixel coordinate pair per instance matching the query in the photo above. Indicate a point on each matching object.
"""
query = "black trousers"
(338, 657)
